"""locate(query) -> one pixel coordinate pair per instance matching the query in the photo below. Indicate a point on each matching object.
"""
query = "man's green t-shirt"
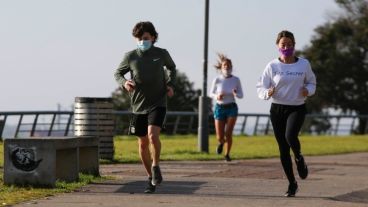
(152, 71)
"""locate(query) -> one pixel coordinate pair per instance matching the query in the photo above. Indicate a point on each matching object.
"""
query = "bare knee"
(229, 135)
(143, 143)
(153, 136)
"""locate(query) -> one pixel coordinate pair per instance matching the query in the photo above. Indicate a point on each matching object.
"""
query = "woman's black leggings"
(287, 121)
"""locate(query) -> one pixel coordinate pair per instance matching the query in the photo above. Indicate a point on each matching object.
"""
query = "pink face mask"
(286, 52)
(226, 73)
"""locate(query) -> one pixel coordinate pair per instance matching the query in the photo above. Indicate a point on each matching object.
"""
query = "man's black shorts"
(139, 122)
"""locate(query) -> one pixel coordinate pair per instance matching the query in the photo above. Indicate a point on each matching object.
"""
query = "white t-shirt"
(225, 86)
(288, 80)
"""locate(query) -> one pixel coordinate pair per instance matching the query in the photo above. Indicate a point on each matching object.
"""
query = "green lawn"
(185, 148)
(244, 147)
(13, 194)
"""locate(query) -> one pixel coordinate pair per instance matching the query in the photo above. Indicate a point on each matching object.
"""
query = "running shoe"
(302, 167)
(150, 188)
(227, 158)
(219, 148)
(292, 190)
(156, 175)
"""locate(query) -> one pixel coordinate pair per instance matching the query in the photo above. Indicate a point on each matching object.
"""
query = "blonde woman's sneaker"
(156, 175)
(227, 158)
(219, 148)
(302, 167)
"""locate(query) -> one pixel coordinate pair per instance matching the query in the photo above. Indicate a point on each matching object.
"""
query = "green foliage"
(339, 57)
(185, 96)
(121, 101)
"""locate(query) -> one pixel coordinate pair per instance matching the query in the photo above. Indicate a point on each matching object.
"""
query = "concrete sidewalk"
(338, 180)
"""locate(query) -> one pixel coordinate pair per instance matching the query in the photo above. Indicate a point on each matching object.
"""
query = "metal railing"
(36, 123)
(15, 124)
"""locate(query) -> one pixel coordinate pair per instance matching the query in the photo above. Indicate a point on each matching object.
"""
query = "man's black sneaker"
(150, 188)
(156, 175)
(227, 158)
(302, 167)
(292, 190)
(219, 148)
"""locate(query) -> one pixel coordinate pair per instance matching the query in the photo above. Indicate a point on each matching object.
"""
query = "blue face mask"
(144, 45)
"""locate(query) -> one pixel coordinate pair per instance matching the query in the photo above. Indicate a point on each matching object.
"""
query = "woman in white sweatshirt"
(225, 88)
(288, 81)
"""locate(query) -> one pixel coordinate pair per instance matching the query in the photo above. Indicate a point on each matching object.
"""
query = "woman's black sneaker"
(292, 190)
(156, 175)
(150, 188)
(302, 167)
(219, 148)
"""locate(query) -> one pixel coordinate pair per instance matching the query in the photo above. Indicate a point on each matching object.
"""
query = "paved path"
(338, 180)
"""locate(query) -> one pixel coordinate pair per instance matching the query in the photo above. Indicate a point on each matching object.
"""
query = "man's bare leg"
(154, 138)
(144, 154)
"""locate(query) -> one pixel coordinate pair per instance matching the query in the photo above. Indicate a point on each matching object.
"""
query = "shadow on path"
(355, 197)
(168, 187)
(189, 188)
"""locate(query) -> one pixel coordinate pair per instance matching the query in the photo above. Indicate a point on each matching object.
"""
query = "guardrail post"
(34, 125)
(267, 126)
(190, 125)
(352, 126)
(68, 125)
(177, 121)
(256, 126)
(18, 126)
(242, 130)
(337, 125)
(51, 125)
(2, 126)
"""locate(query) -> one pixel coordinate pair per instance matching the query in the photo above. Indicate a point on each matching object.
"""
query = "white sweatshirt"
(225, 86)
(288, 80)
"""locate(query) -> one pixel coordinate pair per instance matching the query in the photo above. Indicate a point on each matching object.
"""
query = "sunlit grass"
(15, 194)
(244, 147)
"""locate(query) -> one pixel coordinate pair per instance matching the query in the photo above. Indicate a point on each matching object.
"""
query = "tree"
(339, 57)
(185, 96)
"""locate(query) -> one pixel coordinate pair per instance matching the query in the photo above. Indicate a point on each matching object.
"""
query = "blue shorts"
(224, 111)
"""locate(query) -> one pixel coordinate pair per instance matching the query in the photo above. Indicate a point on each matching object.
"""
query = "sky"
(52, 51)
